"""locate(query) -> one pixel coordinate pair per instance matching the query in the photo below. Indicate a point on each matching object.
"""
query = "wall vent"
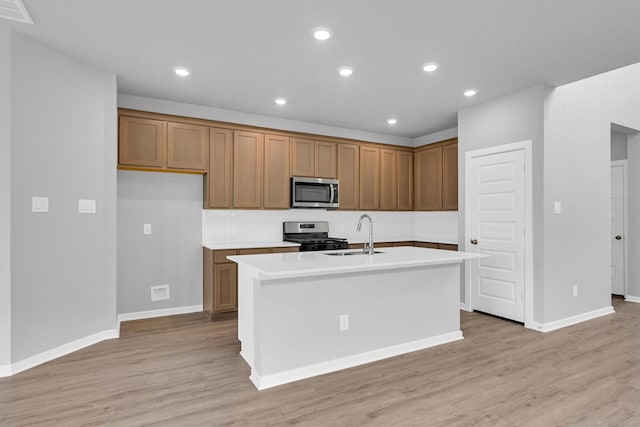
(14, 10)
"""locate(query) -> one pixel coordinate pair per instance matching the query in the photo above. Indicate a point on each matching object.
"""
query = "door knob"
(474, 242)
(618, 237)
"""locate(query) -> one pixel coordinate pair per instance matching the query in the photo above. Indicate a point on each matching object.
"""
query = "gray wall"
(633, 219)
(63, 124)
(618, 146)
(510, 119)
(5, 197)
(172, 254)
(577, 172)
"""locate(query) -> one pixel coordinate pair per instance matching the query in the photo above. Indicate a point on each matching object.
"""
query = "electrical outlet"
(39, 204)
(557, 207)
(575, 290)
(344, 322)
(86, 206)
(146, 228)
(159, 293)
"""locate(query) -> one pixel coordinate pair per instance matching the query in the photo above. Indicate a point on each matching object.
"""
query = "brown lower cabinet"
(430, 245)
(220, 280)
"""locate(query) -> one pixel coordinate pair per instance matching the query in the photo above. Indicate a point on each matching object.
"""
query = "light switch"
(146, 229)
(86, 206)
(39, 204)
(557, 207)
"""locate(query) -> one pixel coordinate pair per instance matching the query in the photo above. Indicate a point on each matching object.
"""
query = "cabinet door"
(326, 159)
(369, 178)
(248, 155)
(225, 287)
(349, 175)
(187, 146)
(450, 177)
(142, 142)
(302, 157)
(276, 172)
(428, 179)
(388, 180)
(405, 180)
(218, 188)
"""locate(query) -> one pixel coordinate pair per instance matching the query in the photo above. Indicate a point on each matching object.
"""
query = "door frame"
(527, 147)
(625, 212)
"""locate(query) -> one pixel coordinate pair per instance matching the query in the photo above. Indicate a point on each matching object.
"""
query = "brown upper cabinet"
(149, 144)
(313, 158)
(436, 176)
(349, 176)
(405, 180)
(369, 178)
(248, 164)
(218, 182)
(276, 172)
(250, 168)
(388, 179)
(450, 177)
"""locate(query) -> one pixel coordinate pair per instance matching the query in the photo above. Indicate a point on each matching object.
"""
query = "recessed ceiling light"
(321, 33)
(281, 101)
(345, 71)
(181, 71)
(470, 92)
(392, 121)
(430, 67)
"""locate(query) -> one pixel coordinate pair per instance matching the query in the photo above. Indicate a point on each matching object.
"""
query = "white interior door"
(618, 184)
(497, 195)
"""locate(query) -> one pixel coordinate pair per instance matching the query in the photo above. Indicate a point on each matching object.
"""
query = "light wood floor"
(185, 370)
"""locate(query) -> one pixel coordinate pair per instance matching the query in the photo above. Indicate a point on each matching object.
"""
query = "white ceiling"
(245, 53)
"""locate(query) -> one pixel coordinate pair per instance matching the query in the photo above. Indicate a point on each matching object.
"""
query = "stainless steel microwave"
(314, 193)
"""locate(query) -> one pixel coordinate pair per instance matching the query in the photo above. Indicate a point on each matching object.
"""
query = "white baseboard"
(158, 313)
(272, 380)
(568, 321)
(5, 371)
(57, 352)
(464, 306)
(631, 298)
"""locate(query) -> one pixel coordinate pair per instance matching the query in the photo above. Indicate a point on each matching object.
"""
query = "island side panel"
(299, 318)
(247, 281)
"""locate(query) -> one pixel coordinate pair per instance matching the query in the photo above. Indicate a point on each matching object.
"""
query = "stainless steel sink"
(351, 253)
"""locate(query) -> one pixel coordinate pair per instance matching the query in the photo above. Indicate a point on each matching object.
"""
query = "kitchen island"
(310, 313)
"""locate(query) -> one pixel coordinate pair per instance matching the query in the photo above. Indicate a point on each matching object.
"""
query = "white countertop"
(249, 245)
(301, 264)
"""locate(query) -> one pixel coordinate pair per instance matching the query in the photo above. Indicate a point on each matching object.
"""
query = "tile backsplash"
(252, 226)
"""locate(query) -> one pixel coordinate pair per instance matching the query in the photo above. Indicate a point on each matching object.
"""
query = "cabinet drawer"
(447, 247)
(220, 257)
(285, 249)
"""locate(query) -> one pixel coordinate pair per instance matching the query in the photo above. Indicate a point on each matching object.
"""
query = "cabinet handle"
(618, 237)
(474, 242)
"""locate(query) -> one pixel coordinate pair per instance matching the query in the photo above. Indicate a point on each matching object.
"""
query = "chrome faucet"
(368, 246)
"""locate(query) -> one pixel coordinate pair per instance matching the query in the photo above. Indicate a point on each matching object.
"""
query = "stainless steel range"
(312, 236)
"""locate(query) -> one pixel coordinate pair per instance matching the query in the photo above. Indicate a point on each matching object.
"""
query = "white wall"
(578, 119)
(210, 113)
(510, 119)
(436, 137)
(172, 254)
(5, 198)
(63, 146)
